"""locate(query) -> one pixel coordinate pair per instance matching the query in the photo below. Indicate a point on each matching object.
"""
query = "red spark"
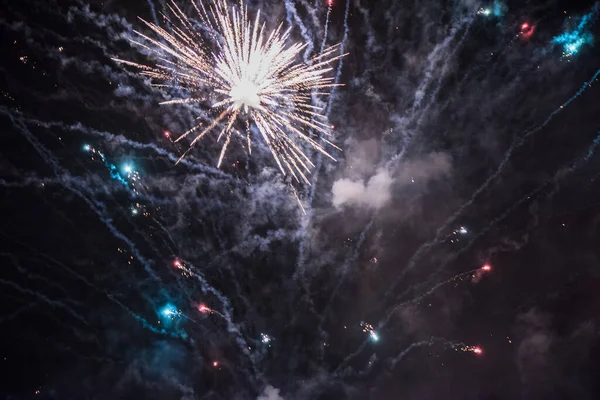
(177, 264)
(215, 363)
(167, 133)
(203, 309)
(527, 30)
(486, 267)
(329, 2)
(477, 350)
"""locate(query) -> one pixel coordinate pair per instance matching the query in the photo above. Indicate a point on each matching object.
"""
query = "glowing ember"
(203, 309)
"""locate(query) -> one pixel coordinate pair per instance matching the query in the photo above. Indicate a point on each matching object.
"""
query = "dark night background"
(449, 118)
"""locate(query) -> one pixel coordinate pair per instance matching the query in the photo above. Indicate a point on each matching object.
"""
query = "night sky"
(451, 252)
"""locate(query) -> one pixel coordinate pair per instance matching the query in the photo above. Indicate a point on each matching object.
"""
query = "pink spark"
(177, 264)
(477, 350)
(329, 2)
(527, 30)
(203, 309)
(167, 133)
(486, 267)
(215, 363)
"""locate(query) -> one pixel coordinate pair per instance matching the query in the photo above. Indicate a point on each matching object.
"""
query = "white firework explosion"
(249, 76)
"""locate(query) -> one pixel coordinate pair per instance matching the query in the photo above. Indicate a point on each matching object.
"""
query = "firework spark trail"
(53, 303)
(386, 319)
(440, 231)
(468, 22)
(35, 277)
(561, 173)
(226, 313)
(123, 141)
(302, 248)
(345, 267)
(257, 78)
(395, 308)
(326, 29)
(147, 325)
(95, 206)
(109, 296)
(415, 345)
(153, 11)
(367, 24)
(312, 11)
(18, 312)
(59, 264)
(433, 59)
(291, 17)
(338, 72)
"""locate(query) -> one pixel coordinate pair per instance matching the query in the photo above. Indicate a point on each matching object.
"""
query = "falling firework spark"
(249, 77)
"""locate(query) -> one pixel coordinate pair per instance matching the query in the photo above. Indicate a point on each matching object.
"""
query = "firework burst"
(252, 77)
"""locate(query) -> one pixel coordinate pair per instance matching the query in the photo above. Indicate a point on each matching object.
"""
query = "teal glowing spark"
(497, 9)
(169, 311)
(574, 40)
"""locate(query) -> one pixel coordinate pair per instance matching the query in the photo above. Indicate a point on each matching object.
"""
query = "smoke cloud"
(270, 393)
(376, 192)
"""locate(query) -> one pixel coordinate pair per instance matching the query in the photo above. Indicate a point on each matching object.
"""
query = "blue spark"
(114, 172)
(498, 9)
(169, 311)
(374, 336)
(127, 168)
(266, 339)
(87, 147)
(574, 40)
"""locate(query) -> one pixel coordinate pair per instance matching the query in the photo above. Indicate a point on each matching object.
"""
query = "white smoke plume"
(376, 192)
(270, 393)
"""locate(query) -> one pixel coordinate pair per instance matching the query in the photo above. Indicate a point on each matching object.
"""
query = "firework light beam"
(250, 77)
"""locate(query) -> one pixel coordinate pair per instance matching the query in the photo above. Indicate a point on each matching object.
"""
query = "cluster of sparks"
(266, 339)
(573, 41)
(126, 175)
(460, 231)
(471, 349)
(253, 76)
(368, 328)
(170, 312)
